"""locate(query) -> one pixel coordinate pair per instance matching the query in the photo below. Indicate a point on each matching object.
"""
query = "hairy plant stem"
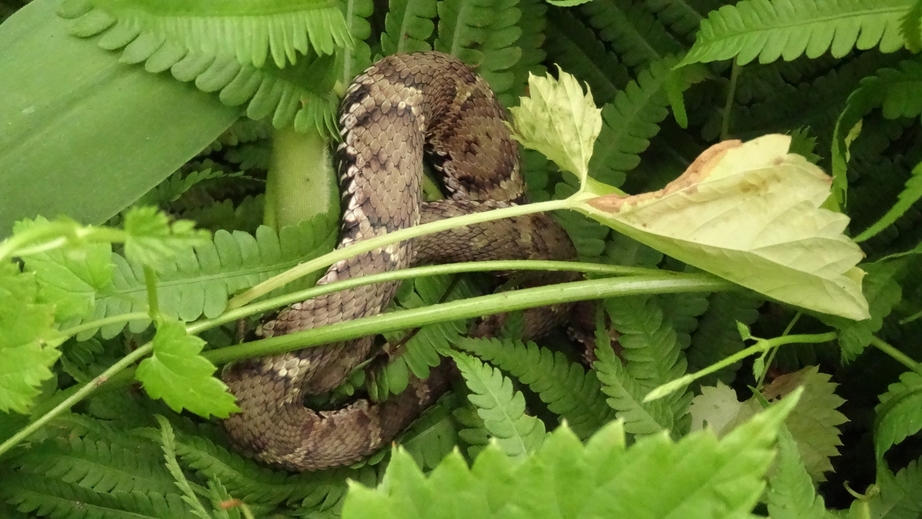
(301, 182)
(761, 346)
(896, 354)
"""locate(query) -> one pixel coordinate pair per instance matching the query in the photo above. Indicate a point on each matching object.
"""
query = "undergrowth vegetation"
(186, 145)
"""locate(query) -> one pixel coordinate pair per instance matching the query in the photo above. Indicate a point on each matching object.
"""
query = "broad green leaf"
(181, 377)
(28, 343)
(560, 121)
(85, 135)
(719, 409)
(698, 477)
(750, 213)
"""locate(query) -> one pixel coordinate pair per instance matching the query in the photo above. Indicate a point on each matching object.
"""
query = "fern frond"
(899, 414)
(896, 90)
(250, 31)
(408, 26)
(482, 33)
(910, 194)
(501, 407)
(178, 183)
(682, 312)
(632, 31)
(630, 121)
(98, 465)
(626, 396)
(45, 497)
(787, 29)
(574, 46)
(531, 42)
(358, 58)
(168, 444)
(717, 336)
(909, 28)
(564, 386)
(200, 280)
(588, 236)
(683, 18)
(246, 216)
(433, 435)
(791, 494)
(652, 352)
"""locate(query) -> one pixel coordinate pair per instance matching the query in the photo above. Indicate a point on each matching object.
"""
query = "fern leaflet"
(564, 386)
(633, 32)
(501, 407)
(408, 26)
(899, 414)
(787, 29)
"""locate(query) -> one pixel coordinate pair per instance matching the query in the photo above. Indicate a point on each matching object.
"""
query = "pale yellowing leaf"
(750, 213)
(560, 121)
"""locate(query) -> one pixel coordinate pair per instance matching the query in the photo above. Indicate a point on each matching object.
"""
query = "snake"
(402, 111)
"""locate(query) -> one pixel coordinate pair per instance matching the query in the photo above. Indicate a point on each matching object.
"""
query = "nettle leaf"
(697, 477)
(177, 373)
(814, 422)
(787, 29)
(28, 342)
(153, 241)
(718, 408)
(750, 213)
(899, 414)
(501, 408)
(560, 121)
(69, 278)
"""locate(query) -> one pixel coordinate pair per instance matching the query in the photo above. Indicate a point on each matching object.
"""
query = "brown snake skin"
(399, 108)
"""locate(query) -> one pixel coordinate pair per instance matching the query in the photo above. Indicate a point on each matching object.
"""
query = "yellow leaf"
(750, 213)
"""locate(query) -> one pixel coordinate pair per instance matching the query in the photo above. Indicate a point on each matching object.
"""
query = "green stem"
(728, 105)
(99, 323)
(393, 237)
(153, 301)
(472, 307)
(896, 354)
(760, 346)
(76, 397)
(301, 182)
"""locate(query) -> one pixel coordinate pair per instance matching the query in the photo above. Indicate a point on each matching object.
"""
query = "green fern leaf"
(564, 386)
(482, 33)
(246, 216)
(502, 408)
(168, 444)
(899, 413)
(101, 466)
(633, 32)
(682, 312)
(588, 236)
(896, 90)
(50, 498)
(898, 496)
(787, 29)
(573, 46)
(630, 121)
(790, 490)
(408, 26)
(200, 280)
(251, 31)
(909, 28)
(358, 58)
(180, 182)
(531, 42)
(433, 435)
(717, 336)
(626, 396)
(683, 18)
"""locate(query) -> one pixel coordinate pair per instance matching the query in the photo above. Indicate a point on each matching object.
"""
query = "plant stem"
(728, 105)
(301, 182)
(760, 346)
(896, 354)
(393, 237)
(78, 395)
(472, 307)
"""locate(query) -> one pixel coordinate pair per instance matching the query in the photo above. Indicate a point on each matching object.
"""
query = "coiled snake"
(399, 109)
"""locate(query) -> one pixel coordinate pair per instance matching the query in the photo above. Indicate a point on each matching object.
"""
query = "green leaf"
(408, 26)
(49, 167)
(501, 408)
(899, 414)
(749, 213)
(154, 241)
(697, 477)
(28, 343)
(790, 490)
(905, 200)
(181, 377)
(787, 29)
(168, 444)
(560, 121)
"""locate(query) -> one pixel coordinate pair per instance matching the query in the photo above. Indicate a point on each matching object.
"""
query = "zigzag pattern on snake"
(401, 109)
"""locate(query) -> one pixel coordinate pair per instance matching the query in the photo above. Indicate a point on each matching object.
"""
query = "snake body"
(401, 109)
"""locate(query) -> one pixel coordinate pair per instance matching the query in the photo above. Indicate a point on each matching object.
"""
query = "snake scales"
(397, 111)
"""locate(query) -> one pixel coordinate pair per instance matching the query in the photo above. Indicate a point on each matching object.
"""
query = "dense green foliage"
(166, 131)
